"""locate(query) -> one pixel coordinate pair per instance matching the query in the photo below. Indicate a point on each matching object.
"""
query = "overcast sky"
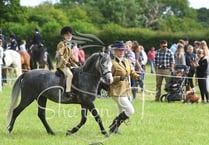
(193, 3)
(199, 3)
(34, 2)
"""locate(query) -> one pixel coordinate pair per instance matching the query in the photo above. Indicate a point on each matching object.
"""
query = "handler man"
(65, 58)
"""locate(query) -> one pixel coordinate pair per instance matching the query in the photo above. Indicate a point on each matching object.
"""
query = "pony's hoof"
(8, 132)
(74, 130)
(69, 132)
(51, 133)
(104, 132)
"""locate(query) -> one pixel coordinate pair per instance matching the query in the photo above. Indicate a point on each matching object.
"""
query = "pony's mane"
(90, 57)
(90, 60)
(94, 56)
(93, 59)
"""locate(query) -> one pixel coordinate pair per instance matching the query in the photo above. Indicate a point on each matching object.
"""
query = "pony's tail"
(15, 94)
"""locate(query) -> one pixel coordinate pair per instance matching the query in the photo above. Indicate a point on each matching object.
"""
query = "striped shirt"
(130, 56)
(164, 59)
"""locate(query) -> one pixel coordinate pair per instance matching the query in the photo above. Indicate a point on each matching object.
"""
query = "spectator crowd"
(162, 60)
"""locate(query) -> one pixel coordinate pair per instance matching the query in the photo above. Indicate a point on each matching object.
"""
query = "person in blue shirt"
(190, 58)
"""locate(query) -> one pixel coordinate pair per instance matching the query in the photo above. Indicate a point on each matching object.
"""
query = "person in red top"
(76, 51)
(81, 56)
(151, 58)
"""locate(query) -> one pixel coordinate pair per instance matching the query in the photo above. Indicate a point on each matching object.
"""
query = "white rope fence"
(155, 74)
(173, 76)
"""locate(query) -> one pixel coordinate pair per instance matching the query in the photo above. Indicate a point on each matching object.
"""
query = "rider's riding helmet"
(36, 29)
(66, 30)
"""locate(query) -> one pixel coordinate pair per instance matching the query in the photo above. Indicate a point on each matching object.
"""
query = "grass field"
(162, 123)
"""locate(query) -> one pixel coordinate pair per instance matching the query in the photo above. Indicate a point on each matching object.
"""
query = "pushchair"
(175, 86)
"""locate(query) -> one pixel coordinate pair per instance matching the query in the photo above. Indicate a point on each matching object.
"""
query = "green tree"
(45, 13)
(202, 16)
(77, 13)
(155, 11)
(51, 31)
(122, 12)
(10, 11)
(95, 15)
(64, 2)
(175, 24)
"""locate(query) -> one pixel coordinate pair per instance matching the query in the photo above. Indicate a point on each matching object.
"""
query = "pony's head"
(104, 65)
(100, 64)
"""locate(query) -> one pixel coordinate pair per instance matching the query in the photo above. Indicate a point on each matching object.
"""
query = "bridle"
(102, 73)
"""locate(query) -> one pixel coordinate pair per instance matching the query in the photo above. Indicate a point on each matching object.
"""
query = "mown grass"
(162, 123)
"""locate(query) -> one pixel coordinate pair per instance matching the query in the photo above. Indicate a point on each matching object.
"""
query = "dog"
(191, 96)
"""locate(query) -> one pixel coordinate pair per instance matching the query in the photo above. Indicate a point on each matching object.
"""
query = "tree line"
(110, 20)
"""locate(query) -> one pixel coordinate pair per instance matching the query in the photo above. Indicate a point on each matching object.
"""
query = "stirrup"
(69, 94)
